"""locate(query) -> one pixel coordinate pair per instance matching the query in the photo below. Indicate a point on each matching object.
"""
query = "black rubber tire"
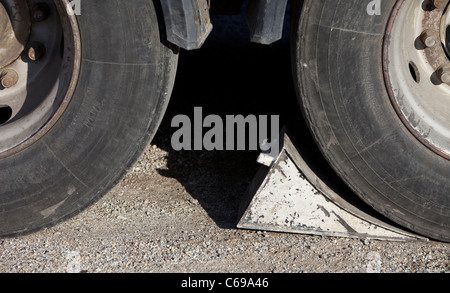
(126, 79)
(338, 70)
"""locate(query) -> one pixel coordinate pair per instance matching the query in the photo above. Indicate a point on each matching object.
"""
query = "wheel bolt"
(40, 12)
(439, 3)
(444, 74)
(429, 38)
(9, 78)
(36, 51)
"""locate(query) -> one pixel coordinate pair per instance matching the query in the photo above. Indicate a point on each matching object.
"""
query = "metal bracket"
(288, 196)
(265, 19)
(187, 22)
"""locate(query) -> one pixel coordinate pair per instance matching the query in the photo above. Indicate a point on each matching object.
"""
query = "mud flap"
(286, 195)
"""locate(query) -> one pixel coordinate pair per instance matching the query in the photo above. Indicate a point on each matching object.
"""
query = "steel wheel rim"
(37, 86)
(417, 70)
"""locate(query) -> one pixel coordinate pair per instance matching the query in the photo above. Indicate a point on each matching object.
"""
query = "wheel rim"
(417, 70)
(39, 66)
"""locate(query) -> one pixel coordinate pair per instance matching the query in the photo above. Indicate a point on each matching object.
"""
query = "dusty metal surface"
(288, 197)
(417, 70)
(14, 31)
(31, 101)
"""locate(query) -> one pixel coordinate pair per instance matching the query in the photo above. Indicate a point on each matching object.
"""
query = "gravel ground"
(186, 225)
(176, 211)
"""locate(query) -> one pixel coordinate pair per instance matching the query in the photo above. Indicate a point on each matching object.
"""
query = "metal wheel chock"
(290, 194)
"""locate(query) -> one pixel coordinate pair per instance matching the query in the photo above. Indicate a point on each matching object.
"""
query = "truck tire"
(372, 91)
(90, 89)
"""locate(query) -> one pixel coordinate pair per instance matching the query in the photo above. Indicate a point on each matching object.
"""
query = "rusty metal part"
(431, 24)
(15, 27)
(430, 38)
(9, 78)
(444, 74)
(36, 51)
(417, 72)
(439, 4)
(44, 89)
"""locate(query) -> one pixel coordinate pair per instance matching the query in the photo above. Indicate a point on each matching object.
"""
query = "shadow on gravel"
(230, 75)
(227, 76)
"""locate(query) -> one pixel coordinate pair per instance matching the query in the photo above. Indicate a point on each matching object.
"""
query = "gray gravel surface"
(176, 211)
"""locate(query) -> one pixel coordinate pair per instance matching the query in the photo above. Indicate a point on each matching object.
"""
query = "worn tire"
(338, 69)
(126, 78)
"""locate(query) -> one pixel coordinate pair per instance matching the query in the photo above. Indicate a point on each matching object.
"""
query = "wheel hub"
(417, 70)
(40, 49)
(14, 31)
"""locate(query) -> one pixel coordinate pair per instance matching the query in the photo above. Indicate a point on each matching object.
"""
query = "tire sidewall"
(338, 58)
(123, 89)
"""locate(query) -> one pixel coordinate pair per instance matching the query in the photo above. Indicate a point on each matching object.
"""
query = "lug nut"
(429, 38)
(438, 3)
(444, 74)
(9, 78)
(40, 12)
(36, 51)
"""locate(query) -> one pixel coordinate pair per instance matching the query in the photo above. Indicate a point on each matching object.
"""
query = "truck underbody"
(85, 84)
